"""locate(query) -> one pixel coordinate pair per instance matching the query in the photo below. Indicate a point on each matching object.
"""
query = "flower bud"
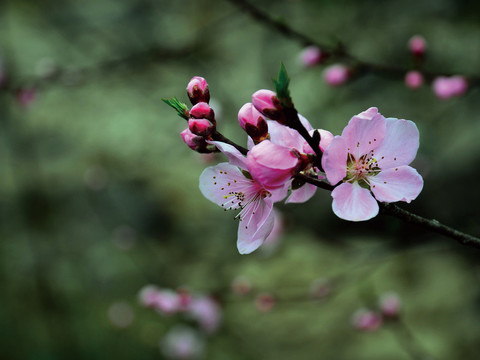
(197, 90)
(311, 56)
(447, 87)
(366, 320)
(202, 110)
(201, 127)
(417, 45)
(414, 79)
(336, 75)
(195, 142)
(252, 121)
(267, 103)
(390, 305)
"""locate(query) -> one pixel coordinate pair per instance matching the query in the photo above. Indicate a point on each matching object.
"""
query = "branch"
(338, 52)
(385, 208)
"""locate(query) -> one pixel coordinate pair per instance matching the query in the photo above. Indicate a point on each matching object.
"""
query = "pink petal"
(334, 160)
(255, 226)
(363, 134)
(270, 164)
(326, 138)
(396, 184)
(216, 182)
(354, 203)
(234, 156)
(306, 124)
(285, 136)
(302, 194)
(400, 144)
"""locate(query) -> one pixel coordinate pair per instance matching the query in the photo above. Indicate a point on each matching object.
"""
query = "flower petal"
(255, 226)
(234, 156)
(400, 144)
(364, 133)
(396, 184)
(285, 136)
(302, 194)
(334, 160)
(354, 203)
(218, 182)
(306, 124)
(270, 164)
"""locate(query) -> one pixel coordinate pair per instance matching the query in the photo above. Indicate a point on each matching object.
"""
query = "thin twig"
(339, 52)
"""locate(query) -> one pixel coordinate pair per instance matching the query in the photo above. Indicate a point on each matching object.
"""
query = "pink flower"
(366, 320)
(290, 138)
(207, 312)
(414, 79)
(252, 121)
(165, 301)
(233, 187)
(311, 56)
(26, 96)
(446, 87)
(390, 305)
(201, 127)
(267, 103)
(336, 75)
(148, 295)
(264, 302)
(372, 156)
(417, 45)
(197, 90)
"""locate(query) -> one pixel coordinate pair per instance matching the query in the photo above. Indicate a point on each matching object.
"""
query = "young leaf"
(281, 86)
(182, 109)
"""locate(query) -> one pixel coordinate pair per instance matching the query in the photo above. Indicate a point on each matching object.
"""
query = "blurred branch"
(339, 52)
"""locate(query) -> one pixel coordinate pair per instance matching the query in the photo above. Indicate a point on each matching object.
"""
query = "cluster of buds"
(371, 320)
(201, 308)
(444, 87)
(201, 117)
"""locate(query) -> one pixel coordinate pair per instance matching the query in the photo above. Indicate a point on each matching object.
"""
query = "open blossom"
(372, 156)
(234, 186)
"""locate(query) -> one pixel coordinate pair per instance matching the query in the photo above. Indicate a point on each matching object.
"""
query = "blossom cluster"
(286, 159)
(444, 87)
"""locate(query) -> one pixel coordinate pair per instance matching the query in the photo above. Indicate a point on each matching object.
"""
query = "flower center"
(361, 169)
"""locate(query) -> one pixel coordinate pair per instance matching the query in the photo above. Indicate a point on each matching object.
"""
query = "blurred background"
(99, 195)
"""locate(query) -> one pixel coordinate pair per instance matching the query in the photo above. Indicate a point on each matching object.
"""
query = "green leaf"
(182, 109)
(281, 86)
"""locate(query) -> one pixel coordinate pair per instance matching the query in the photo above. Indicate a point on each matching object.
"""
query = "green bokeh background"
(96, 163)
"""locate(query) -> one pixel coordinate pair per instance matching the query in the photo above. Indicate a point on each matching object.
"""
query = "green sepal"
(281, 86)
(182, 109)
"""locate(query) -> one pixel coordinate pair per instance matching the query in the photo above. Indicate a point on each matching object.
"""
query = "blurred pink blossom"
(311, 56)
(414, 79)
(26, 96)
(336, 75)
(182, 343)
(390, 305)
(264, 302)
(207, 312)
(446, 87)
(366, 320)
(417, 45)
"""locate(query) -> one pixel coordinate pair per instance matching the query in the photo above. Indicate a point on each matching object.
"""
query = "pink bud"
(366, 320)
(311, 56)
(417, 45)
(264, 302)
(390, 305)
(336, 75)
(267, 103)
(201, 127)
(202, 110)
(252, 121)
(193, 141)
(414, 79)
(207, 312)
(447, 87)
(197, 90)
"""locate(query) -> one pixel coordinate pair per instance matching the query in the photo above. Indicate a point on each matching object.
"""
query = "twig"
(339, 52)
